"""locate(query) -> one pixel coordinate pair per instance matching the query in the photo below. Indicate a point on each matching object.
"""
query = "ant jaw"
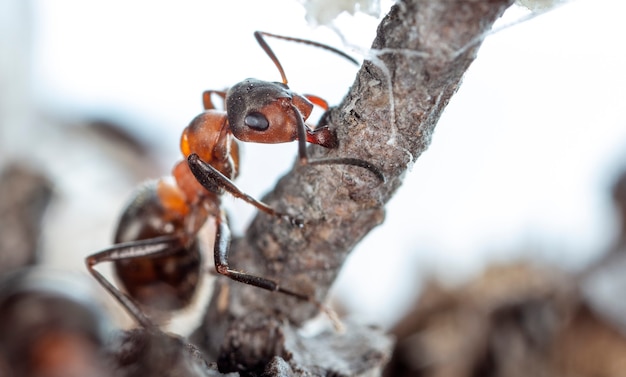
(322, 136)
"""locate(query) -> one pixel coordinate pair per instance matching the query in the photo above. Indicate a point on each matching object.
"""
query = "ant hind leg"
(129, 250)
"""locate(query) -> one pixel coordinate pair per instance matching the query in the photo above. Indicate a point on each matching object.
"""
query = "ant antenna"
(259, 37)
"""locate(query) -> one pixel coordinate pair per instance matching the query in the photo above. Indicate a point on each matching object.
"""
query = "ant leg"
(323, 137)
(353, 162)
(127, 250)
(319, 101)
(220, 253)
(206, 98)
(214, 181)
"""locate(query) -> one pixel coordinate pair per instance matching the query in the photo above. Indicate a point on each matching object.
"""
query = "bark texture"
(416, 64)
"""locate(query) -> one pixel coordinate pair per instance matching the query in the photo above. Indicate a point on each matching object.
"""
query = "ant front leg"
(316, 100)
(324, 137)
(128, 250)
(206, 98)
(214, 181)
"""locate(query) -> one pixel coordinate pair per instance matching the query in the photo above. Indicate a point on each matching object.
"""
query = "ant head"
(265, 112)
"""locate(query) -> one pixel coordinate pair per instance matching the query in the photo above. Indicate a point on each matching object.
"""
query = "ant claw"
(295, 221)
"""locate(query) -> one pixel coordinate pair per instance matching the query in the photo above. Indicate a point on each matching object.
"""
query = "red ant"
(156, 253)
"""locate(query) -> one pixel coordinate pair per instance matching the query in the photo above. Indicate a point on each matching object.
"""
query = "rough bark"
(417, 62)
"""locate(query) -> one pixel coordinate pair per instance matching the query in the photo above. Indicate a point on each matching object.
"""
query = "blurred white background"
(519, 167)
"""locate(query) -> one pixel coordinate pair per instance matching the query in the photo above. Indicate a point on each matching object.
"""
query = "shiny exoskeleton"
(156, 254)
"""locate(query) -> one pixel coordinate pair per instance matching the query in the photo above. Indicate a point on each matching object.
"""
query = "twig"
(418, 59)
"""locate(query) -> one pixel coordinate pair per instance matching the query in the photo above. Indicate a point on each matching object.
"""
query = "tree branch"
(417, 61)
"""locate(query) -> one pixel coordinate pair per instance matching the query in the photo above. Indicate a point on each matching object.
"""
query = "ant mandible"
(156, 254)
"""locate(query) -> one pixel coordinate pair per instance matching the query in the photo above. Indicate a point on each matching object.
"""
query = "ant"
(156, 254)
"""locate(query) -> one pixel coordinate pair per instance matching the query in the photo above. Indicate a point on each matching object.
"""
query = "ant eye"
(257, 121)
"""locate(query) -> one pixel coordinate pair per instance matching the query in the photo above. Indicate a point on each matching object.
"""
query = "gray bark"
(416, 64)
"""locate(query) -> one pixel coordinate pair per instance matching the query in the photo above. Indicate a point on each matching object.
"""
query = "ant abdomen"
(164, 282)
